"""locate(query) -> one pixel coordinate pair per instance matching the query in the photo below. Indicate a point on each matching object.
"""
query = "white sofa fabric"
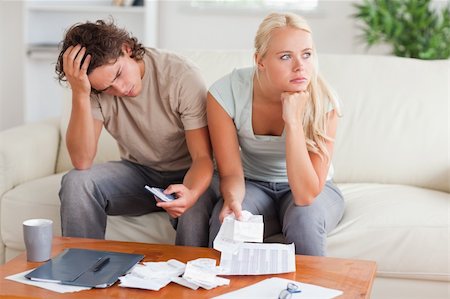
(391, 162)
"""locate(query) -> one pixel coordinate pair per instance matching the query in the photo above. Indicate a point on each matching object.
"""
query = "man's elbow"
(81, 164)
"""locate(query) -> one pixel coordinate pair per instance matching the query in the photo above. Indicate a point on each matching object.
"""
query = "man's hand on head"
(76, 73)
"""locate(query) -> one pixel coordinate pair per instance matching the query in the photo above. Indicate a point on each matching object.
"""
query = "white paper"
(202, 272)
(185, 283)
(270, 288)
(250, 228)
(152, 275)
(52, 286)
(154, 284)
(234, 232)
(259, 258)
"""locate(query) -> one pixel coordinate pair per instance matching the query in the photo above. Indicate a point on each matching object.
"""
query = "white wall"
(179, 27)
(183, 27)
(11, 64)
(32, 96)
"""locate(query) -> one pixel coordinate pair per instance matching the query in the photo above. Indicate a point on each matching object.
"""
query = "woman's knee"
(306, 228)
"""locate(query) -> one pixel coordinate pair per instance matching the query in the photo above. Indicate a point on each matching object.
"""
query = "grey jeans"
(306, 226)
(117, 188)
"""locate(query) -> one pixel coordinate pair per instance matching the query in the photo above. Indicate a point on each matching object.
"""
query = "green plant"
(410, 26)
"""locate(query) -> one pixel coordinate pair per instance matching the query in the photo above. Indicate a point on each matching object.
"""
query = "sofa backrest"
(395, 127)
(395, 124)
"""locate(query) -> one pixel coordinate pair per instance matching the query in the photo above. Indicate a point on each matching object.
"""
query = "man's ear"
(126, 49)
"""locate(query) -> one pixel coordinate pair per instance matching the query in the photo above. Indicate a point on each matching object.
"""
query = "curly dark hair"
(103, 41)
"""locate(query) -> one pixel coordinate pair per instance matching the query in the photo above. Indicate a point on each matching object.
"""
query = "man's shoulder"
(166, 58)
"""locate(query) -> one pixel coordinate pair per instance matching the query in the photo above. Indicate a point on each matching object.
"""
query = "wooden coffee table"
(353, 277)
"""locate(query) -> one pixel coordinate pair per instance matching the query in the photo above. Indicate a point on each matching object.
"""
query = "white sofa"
(391, 161)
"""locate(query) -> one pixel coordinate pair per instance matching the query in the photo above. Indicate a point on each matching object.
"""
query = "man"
(153, 104)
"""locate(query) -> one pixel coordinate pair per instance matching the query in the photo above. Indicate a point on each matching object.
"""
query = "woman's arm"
(306, 171)
(226, 151)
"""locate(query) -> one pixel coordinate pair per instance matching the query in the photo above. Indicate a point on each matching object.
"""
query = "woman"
(272, 128)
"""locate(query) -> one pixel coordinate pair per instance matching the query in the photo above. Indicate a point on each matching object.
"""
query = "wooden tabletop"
(353, 277)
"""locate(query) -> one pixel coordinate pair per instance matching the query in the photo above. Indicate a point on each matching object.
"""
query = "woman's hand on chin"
(293, 106)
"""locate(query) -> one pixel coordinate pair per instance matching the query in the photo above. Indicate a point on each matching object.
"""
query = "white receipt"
(202, 272)
(256, 259)
(152, 275)
(156, 275)
(241, 258)
(234, 232)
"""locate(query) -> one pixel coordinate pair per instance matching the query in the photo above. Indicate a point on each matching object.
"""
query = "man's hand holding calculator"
(177, 199)
(159, 193)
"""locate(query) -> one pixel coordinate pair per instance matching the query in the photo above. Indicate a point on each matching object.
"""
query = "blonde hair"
(321, 95)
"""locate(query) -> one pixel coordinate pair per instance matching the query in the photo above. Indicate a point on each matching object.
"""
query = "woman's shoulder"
(236, 76)
(242, 74)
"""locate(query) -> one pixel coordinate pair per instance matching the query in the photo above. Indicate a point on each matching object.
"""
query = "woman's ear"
(259, 61)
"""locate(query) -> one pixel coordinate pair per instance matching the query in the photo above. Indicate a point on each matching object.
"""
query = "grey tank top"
(263, 157)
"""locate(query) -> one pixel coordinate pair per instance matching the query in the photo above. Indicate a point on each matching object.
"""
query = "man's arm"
(198, 177)
(82, 134)
(200, 173)
(83, 131)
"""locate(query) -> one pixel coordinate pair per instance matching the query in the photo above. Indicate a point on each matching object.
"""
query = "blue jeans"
(117, 188)
(306, 226)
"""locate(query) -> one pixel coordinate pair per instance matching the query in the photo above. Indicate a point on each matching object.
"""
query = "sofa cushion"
(39, 199)
(405, 229)
(394, 128)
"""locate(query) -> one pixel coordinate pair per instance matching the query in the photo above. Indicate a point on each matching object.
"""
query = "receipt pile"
(242, 250)
(202, 273)
(233, 233)
(156, 275)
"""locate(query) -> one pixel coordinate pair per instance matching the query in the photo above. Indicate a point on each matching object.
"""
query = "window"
(296, 5)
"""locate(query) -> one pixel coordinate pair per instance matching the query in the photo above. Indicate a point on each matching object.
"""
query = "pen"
(100, 264)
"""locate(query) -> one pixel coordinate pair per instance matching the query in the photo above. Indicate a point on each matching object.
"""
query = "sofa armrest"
(28, 152)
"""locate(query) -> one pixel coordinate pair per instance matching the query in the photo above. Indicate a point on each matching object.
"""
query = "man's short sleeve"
(192, 100)
(96, 108)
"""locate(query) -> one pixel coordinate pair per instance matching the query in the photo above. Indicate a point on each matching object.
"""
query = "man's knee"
(75, 179)
(78, 188)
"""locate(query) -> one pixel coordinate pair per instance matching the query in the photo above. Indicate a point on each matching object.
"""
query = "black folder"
(83, 267)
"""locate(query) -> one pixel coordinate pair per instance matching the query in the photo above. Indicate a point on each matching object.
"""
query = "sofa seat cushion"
(39, 199)
(404, 229)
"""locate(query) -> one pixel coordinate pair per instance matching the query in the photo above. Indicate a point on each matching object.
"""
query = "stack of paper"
(152, 275)
(234, 232)
(156, 275)
(202, 273)
(239, 257)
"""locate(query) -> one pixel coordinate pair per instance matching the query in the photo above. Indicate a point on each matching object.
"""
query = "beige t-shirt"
(149, 128)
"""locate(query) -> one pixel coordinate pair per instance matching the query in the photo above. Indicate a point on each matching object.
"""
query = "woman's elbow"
(305, 198)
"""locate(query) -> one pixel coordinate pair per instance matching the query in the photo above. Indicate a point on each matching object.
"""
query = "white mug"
(38, 235)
